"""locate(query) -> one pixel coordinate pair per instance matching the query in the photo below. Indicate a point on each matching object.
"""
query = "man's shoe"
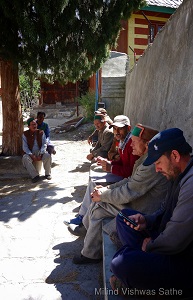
(35, 179)
(48, 177)
(78, 230)
(81, 260)
(115, 239)
(117, 285)
(75, 221)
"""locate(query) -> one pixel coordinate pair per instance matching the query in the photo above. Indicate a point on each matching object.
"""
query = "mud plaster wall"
(159, 90)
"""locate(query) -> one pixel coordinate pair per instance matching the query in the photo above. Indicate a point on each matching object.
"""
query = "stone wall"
(159, 90)
(113, 83)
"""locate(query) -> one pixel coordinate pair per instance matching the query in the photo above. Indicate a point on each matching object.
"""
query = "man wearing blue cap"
(157, 254)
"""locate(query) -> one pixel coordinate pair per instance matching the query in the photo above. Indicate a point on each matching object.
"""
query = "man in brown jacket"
(34, 148)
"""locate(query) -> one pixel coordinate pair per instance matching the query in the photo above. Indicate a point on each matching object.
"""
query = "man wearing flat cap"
(34, 146)
(105, 138)
(159, 252)
(143, 190)
(93, 138)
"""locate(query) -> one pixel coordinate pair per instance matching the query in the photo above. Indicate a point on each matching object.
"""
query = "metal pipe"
(133, 54)
(150, 28)
(96, 91)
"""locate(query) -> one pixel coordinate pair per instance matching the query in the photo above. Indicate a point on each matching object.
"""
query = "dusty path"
(36, 247)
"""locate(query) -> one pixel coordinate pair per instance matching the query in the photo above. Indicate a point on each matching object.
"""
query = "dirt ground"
(35, 242)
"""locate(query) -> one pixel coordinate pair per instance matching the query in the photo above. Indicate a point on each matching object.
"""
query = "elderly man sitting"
(143, 191)
(34, 148)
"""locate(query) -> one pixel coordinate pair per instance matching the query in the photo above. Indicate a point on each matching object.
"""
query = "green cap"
(29, 121)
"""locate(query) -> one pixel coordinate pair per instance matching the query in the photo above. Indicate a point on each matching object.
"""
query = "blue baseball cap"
(169, 139)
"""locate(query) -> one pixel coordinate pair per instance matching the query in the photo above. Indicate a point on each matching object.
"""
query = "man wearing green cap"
(143, 190)
(105, 138)
(93, 137)
(34, 148)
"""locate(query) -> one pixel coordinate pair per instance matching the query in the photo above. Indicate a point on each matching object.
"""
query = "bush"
(87, 101)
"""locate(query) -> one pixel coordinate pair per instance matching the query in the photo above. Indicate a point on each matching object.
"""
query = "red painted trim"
(139, 30)
(139, 51)
(140, 41)
(141, 21)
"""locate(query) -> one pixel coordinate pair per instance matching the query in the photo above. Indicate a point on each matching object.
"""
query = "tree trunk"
(11, 107)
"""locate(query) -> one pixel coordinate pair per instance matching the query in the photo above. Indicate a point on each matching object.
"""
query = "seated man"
(93, 138)
(113, 153)
(124, 166)
(34, 148)
(144, 190)
(120, 169)
(44, 126)
(105, 138)
(158, 252)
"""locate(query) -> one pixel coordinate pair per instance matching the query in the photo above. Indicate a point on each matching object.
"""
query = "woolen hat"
(99, 117)
(29, 121)
(169, 139)
(144, 132)
(120, 121)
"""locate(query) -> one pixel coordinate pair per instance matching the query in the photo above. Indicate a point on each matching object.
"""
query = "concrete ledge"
(109, 250)
(11, 166)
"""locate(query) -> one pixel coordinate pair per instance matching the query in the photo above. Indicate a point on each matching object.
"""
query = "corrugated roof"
(165, 3)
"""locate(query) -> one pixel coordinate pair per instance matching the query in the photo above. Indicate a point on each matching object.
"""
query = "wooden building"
(67, 94)
(141, 29)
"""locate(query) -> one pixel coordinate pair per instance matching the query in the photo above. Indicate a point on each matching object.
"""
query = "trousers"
(93, 223)
(34, 168)
(149, 270)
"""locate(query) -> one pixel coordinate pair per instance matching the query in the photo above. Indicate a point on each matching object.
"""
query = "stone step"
(109, 250)
(11, 166)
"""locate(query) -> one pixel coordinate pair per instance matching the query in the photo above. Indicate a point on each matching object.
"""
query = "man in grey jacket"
(159, 252)
(144, 190)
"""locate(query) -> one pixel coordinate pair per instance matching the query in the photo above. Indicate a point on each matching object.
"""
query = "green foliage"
(64, 40)
(29, 90)
(87, 101)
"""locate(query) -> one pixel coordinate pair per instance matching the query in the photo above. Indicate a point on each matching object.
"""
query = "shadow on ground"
(85, 278)
(30, 201)
(85, 167)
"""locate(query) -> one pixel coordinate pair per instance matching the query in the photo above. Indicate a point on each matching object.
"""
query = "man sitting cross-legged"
(144, 190)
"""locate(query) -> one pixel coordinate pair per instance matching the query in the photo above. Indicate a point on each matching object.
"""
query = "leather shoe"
(48, 177)
(35, 179)
(78, 230)
(81, 260)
